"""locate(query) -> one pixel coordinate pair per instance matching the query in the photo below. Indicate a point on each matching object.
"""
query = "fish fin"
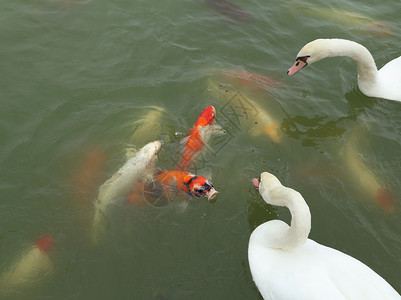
(207, 172)
(130, 151)
(182, 205)
(206, 132)
(184, 141)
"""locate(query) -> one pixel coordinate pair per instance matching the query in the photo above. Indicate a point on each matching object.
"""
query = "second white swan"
(286, 265)
(384, 83)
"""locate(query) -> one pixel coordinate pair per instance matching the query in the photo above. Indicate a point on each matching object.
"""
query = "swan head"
(266, 183)
(310, 53)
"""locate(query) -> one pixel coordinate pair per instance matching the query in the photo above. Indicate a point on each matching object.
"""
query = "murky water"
(77, 75)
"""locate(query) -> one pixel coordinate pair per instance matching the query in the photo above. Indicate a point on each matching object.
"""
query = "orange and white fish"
(198, 137)
(193, 185)
(30, 267)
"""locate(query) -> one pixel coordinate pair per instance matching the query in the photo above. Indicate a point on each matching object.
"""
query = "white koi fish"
(121, 183)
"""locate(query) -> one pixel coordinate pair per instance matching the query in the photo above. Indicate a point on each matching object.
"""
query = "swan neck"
(367, 70)
(300, 227)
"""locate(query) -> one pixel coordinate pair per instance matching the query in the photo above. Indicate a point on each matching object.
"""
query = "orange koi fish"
(88, 175)
(197, 137)
(194, 185)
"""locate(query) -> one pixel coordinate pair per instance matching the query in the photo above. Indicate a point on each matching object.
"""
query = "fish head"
(206, 117)
(200, 186)
(44, 244)
(152, 148)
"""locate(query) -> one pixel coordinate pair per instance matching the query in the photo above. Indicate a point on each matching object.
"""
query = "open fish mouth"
(212, 193)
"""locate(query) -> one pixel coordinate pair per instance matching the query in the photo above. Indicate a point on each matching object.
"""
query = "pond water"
(77, 75)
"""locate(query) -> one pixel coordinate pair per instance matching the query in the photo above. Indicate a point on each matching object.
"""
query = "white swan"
(285, 264)
(385, 83)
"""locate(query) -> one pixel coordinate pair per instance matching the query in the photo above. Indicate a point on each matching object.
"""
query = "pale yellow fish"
(363, 176)
(32, 266)
(346, 18)
(245, 111)
(149, 127)
(122, 183)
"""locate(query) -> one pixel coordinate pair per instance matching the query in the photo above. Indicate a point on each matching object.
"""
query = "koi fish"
(120, 184)
(33, 264)
(246, 111)
(198, 137)
(253, 80)
(88, 173)
(193, 185)
(364, 177)
(230, 10)
(149, 127)
(347, 18)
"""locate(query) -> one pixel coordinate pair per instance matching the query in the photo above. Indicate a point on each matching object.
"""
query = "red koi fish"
(252, 80)
(194, 185)
(197, 137)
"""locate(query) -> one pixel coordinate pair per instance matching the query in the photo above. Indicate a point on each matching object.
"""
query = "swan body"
(384, 83)
(285, 264)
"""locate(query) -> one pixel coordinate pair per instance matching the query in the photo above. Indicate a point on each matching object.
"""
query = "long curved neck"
(298, 232)
(274, 234)
(367, 70)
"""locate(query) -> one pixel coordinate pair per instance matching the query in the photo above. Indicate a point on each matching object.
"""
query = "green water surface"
(76, 75)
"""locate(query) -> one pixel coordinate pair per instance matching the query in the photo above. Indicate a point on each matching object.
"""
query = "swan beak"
(298, 65)
(256, 182)
(212, 193)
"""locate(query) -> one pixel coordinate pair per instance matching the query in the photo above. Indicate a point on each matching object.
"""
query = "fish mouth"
(256, 182)
(212, 193)
(157, 145)
(300, 63)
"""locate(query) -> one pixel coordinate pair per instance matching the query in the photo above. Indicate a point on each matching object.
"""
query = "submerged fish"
(88, 173)
(246, 112)
(252, 80)
(364, 177)
(120, 184)
(193, 185)
(148, 127)
(169, 186)
(347, 18)
(198, 137)
(33, 264)
(231, 11)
